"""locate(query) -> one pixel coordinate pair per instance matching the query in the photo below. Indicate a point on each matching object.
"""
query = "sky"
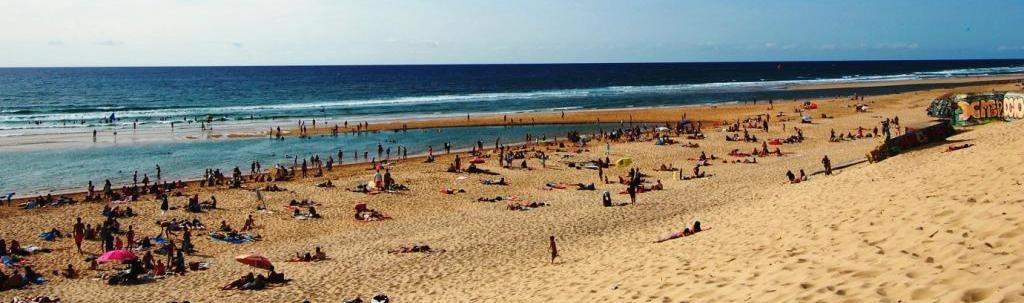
(340, 32)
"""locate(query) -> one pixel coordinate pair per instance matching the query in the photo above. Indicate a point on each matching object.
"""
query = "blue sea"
(78, 100)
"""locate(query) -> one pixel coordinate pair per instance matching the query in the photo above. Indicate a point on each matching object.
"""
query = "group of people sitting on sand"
(179, 225)
(697, 174)
(793, 178)
(525, 206)
(44, 201)
(849, 136)
(130, 193)
(363, 213)
(13, 250)
(501, 181)
(196, 206)
(747, 137)
(415, 248)
(310, 213)
(316, 256)
(117, 211)
(17, 279)
(256, 282)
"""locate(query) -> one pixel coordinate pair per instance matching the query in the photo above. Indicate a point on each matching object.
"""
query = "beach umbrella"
(121, 255)
(255, 260)
(624, 162)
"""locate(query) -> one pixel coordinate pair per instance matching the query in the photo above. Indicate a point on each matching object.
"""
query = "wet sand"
(886, 232)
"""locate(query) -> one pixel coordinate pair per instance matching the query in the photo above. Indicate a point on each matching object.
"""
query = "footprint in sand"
(976, 294)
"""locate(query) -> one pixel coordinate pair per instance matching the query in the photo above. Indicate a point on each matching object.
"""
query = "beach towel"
(241, 238)
(48, 236)
(160, 241)
(8, 261)
(32, 249)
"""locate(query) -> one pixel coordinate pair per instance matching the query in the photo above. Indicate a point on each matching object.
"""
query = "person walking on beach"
(79, 233)
(129, 236)
(554, 249)
(828, 165)
(164, 204)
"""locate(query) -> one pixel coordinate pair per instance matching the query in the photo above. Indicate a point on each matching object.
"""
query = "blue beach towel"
(48, 236)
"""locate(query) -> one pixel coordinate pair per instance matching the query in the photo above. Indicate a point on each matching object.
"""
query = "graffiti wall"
(1013, 105)
(978, 108)
(914, 137)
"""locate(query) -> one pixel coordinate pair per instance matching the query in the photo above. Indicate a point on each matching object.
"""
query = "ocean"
(37, 171)
(77, 99)
(37, 101)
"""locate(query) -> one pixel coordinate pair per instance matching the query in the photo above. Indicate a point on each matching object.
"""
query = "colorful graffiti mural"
(914, 137)
(978, 108)
(1013, 105)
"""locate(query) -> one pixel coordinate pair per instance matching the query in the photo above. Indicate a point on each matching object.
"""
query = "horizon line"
(532, 63)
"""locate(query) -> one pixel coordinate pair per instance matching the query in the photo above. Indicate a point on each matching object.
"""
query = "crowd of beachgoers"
(110, 243)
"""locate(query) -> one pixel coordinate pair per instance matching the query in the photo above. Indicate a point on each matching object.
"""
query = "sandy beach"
(924, 226)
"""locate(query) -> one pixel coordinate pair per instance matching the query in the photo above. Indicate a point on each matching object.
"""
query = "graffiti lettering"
(1013, 106)
(968, 109)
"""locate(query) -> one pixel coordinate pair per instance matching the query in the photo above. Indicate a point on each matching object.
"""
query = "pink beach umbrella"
(120, 255)
(255, 260)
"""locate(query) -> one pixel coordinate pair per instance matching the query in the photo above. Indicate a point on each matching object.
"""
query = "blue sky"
(195, 32)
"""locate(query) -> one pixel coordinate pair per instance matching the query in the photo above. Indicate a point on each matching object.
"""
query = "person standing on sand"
(828, 165)
(79, 233)
(129, 236)
(164, 204)
(554, 249)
